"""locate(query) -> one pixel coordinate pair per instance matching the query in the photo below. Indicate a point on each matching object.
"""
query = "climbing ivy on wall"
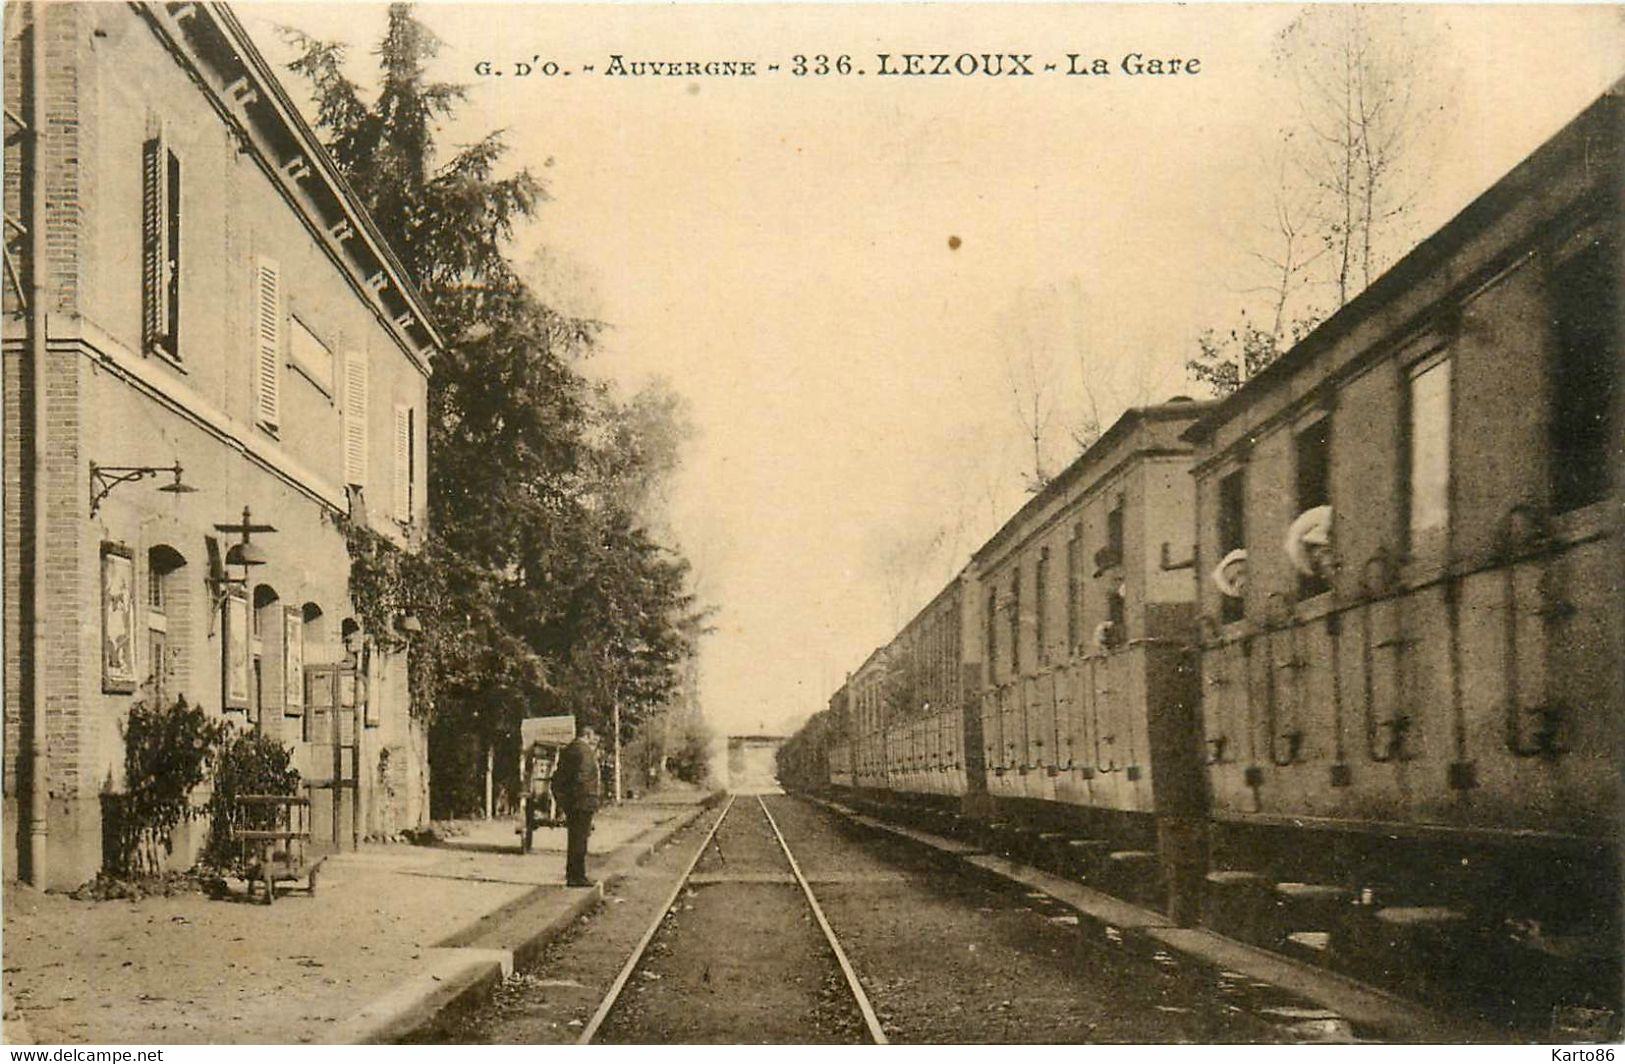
(388, 583)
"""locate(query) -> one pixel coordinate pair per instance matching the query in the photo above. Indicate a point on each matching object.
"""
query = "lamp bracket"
(103, 479)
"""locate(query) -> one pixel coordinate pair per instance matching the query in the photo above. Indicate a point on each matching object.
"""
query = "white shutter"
(268, 342)
(403, 463)
(355, 418)
(154, 240)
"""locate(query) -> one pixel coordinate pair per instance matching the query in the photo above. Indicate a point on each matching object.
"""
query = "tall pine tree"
(544, 591)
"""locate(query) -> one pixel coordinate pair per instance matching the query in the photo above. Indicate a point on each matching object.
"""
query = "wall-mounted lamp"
(103, 479)
(244, 554)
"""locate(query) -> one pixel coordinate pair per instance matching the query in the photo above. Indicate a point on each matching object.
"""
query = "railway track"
(709, 845)
(728, 937)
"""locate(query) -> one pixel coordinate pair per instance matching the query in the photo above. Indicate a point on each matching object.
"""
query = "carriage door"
(334, 702)
(970, 737)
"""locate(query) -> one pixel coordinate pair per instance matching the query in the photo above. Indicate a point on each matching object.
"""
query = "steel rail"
(869, 1017)
(627, 969)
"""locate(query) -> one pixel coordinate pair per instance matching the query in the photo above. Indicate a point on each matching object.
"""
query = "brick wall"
(66, 81)
(107, 78)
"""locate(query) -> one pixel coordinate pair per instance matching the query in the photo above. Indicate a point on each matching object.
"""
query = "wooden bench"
(281, 853)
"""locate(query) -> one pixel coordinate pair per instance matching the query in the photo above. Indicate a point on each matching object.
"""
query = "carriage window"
(1313, 448)
(1041, 604)
(1585, 375)
(1232, 534)
(1114, 532)
(992, 634)
(1015, 620)
(1429, 442)
(1074, 548)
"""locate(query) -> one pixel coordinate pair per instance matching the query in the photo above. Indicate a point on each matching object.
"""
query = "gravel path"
(188, 969)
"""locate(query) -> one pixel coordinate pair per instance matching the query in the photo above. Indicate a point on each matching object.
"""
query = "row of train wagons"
(1334, 663)
(1412, 723)
(1081, 627)
(1014, 706)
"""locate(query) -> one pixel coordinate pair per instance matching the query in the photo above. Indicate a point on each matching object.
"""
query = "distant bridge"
(751, 766)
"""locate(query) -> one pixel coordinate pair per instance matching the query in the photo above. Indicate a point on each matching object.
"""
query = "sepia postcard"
(813, 524)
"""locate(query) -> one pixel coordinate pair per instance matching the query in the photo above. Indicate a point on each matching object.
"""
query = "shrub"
(167, 754)
(248, 763)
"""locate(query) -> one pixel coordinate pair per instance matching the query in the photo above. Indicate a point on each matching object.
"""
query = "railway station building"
(213, 364)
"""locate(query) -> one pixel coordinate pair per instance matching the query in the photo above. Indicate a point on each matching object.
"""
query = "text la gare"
(1133, 64)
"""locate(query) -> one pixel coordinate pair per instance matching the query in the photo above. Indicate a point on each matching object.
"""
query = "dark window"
(1232, 534)
(1314, 465)
(992, 635)
(1584, 374)
(1074, 549)
(1110, 556)
(1041, 604)
(1232, 512)
(1117, 614)
(1015, 620)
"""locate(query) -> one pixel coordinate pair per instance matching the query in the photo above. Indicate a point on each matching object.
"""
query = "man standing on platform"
(576, 787)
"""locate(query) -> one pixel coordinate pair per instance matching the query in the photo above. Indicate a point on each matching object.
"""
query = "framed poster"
(293, 663)
(235, 671)
(118, 619)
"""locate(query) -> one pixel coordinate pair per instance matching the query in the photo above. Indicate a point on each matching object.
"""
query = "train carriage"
(1087, 694)
(1334, 663)
(1409, 569)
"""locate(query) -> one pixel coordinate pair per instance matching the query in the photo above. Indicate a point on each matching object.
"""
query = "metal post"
(490, 772)
(615, 725)
(358, 723)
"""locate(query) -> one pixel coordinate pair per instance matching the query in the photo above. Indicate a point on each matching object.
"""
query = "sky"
(851, 278)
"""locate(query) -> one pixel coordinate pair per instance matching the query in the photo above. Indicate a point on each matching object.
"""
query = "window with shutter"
(268, 342)
(160, 249)
(355, 418)
(403, 463)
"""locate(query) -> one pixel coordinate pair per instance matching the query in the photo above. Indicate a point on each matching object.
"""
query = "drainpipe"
(38, 808)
